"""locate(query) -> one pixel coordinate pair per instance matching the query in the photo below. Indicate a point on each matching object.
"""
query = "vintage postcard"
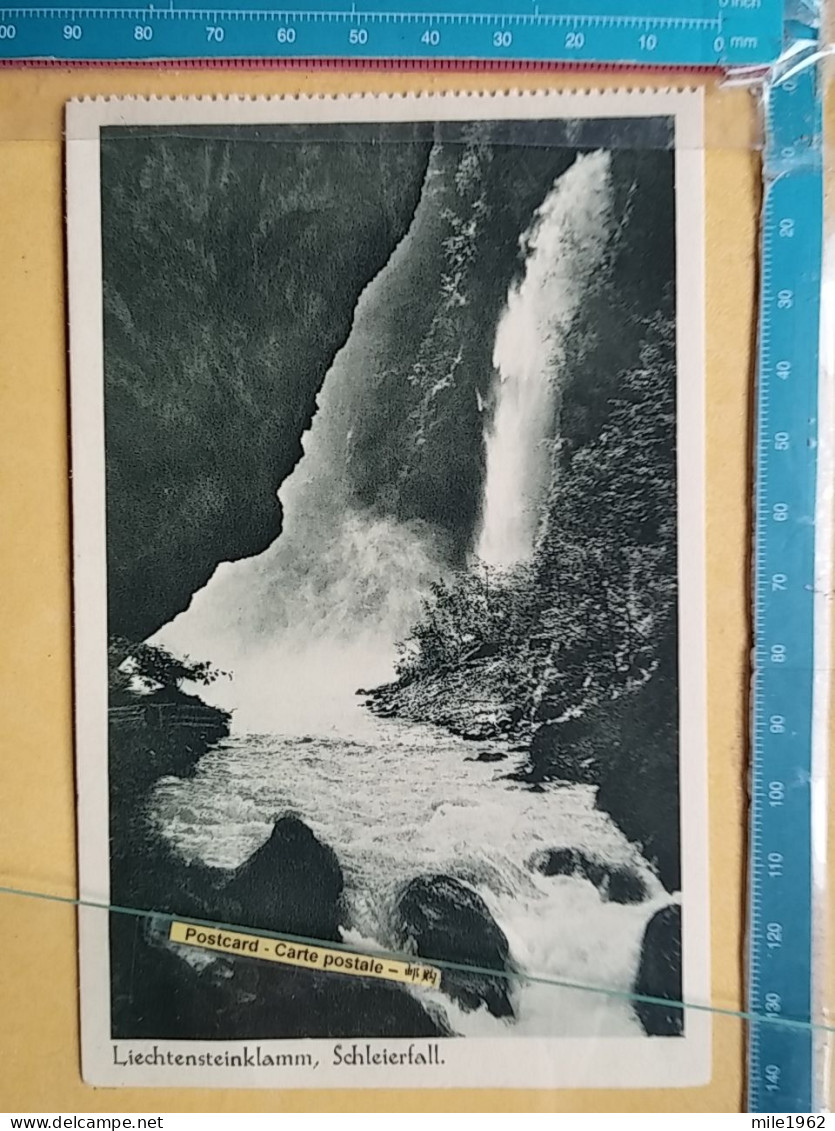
(389, 589)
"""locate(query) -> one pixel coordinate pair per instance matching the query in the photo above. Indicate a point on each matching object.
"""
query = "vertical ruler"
(781, 1067)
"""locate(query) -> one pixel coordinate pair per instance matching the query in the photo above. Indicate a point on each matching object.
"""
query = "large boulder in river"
(624, 885)
(568, 862)
(158, 995)
(442, 919)
(659, 974)
(292, 883)
(617, 883)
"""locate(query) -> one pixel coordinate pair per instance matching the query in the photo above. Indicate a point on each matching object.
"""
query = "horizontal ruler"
(656, 32)
(781, 968)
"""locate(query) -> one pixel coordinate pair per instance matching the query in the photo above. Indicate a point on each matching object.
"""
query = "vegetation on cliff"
(145, 673)
(155, 728)
(575, 651)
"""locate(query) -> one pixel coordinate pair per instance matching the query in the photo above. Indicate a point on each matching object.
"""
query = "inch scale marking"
(780, 971)
(657, 32)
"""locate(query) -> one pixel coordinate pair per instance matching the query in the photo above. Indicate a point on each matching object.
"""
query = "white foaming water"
(319, 613)
(301, 626)
(406, 802)
(564, 246)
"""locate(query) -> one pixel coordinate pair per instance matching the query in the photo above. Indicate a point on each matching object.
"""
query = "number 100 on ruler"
(658, 32)
(781, 967)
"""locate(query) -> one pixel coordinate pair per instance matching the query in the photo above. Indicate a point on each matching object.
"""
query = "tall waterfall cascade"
(563, 247)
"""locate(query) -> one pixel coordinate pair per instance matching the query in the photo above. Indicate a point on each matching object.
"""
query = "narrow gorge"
(447, 644)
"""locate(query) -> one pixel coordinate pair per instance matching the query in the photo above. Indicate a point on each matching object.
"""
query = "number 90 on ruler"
(721, 34)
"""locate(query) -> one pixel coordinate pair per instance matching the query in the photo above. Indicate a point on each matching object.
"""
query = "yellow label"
(309, 955)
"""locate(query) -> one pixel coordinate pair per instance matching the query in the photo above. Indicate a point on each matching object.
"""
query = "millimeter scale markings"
(687, 33)
(781, 1062)
(676, 32)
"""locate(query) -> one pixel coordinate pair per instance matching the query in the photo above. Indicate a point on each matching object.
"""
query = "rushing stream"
(319, 614)
(396, 801)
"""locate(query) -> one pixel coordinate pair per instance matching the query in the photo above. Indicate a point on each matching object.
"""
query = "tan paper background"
(38, 975)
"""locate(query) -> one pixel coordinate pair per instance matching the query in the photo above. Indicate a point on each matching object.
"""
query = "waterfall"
(319, 612)
(563, 247)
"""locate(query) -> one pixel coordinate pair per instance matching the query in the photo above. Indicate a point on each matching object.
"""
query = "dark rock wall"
(232, 267)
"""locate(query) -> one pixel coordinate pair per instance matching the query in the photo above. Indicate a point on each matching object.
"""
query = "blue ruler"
(659, 33)
(781, 1061)
(654, 32)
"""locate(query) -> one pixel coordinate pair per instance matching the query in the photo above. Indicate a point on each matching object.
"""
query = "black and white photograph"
(388, 494)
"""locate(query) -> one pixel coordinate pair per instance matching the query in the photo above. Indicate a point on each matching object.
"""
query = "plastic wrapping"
(614, 898)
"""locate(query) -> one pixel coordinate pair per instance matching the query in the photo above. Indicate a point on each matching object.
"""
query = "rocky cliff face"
(574, 653)
(232, 268)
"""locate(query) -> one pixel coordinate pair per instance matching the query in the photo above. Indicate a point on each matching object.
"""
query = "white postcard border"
(469, 1062)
